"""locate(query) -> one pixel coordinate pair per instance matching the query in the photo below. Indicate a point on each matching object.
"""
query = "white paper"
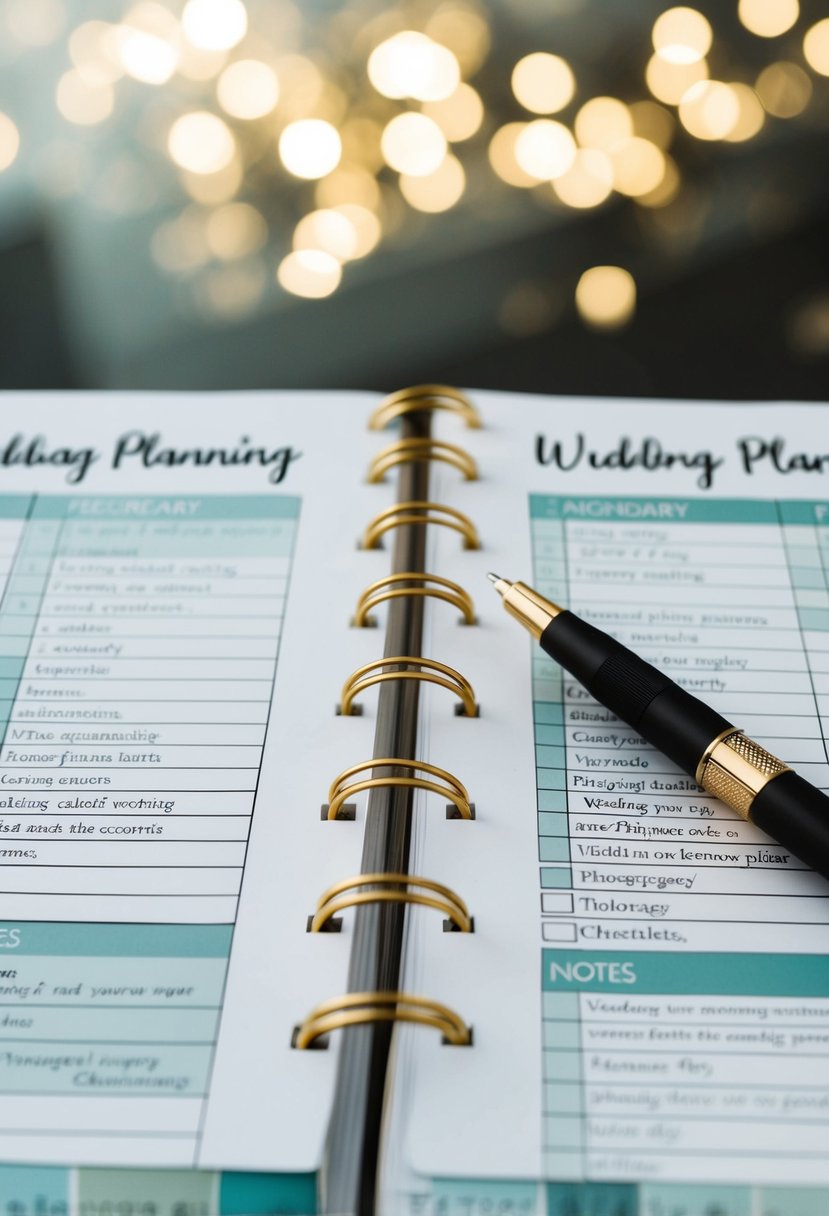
(174, 637)
(678, 1031)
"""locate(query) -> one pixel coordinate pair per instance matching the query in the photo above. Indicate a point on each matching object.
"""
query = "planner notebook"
(323, 889)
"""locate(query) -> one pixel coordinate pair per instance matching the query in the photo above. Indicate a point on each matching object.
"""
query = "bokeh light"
(35, 22)
(463, 27)
(235, 230)
(638, 167)
(201, 142)
(784, 89)
(652, 121)
(214, 25)
(310, 148)
(211, 189)
(543, 83)
(669, 82)
(348, 184)
(750, 114)
(768, 18)
(545, 149)
(503, 159)
(9, 141)
(248, 89)
(329, 230)
(682, 35)
(710, 110)
(410, 64)
(588, 181)
(367, 228)
(816, 47)
(148, 43)
(413, 144)
(95, 50)
(436, 191)
(311, 273)
(667, 190)
(604, 123)
(82, 103)
(606, 297)
(459, 115)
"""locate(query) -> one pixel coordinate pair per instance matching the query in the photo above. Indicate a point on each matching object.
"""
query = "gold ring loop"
(384, 589)
(453, 790)
(372, 673)
(344, 894)
(359, 1008)
(424, 397)
(403, 450)
(416, 512)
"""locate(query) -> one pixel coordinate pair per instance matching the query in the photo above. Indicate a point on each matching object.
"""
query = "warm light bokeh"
(543, 83)
(606, 297)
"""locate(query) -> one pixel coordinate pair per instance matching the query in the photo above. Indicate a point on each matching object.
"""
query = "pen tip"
(494, 578)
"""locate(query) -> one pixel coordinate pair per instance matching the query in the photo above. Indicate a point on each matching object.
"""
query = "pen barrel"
(677, 723)
(796, 815)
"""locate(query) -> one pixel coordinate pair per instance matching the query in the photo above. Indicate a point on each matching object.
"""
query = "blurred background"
(582, 196)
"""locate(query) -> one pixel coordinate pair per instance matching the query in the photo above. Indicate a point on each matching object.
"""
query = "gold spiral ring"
(424, 397)
(338, 793)
(387, 890)
(372, 673)
(417, 512)
(359, 1008)
(385, 589)
(406, 450)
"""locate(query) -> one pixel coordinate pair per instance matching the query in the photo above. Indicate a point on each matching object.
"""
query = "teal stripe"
(148, 508)
(113, 941)
(597, 1199)
(804, 513)
(258, 1194)
(794, 975)
(649, 510)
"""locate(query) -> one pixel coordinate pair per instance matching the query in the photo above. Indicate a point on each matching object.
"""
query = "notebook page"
(662, 964)
(173, 636)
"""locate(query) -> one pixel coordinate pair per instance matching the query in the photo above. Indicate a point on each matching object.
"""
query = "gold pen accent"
(735, 769)
(527, 606)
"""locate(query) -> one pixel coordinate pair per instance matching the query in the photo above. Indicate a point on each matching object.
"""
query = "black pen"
(720, 758)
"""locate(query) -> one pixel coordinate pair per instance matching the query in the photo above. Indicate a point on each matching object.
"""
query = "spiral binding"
(421, 449)
(339, 792)
(417, 446)
(391, 587)
(420, 513)
(424, 397)
(386, 888)
(357, 1008)
(435, 673)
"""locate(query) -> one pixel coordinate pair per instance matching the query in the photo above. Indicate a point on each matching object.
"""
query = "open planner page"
(177, 575)
(648, 980)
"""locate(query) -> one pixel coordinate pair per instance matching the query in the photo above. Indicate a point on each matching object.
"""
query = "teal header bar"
(691, 974)
(814, 513)
(14, 506)
(112, 941)
(653, 510)
(142, 508)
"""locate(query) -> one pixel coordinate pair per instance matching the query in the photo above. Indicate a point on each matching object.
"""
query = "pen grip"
(674, 721)
(795, 814)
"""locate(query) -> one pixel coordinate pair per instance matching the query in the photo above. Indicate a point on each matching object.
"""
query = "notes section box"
(107, 1036)
(678, 1065)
